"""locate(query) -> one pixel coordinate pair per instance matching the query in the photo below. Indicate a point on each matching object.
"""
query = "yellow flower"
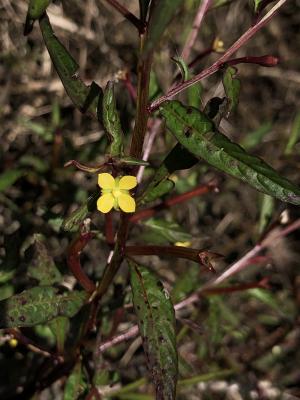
(115, 193)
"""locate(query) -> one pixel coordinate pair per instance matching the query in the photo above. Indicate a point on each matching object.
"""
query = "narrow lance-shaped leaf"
(161, 14)
(178, 159)
(232, 87)
(111, 121)
(60, 327)
(75, 385)
(198, 135)
(38, 306)
(36, 9)
(156, 320)
(73, 221)
(86, 98)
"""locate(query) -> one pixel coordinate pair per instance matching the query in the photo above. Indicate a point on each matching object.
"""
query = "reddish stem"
(198, 191)
(265, 61)
(262, 284)
(93, 394)
(73, 260)
(109, 231)
(127, 14)
(129, 86)
(202, 257)
(220, 62)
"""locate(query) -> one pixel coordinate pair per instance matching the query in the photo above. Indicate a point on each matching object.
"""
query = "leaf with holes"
(38, 306)
(156, 320)
(196, 132)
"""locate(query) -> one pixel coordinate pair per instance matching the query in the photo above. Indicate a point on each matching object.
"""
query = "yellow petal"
(127, 182)
(126, 203)
(106, 181)
(105, 203)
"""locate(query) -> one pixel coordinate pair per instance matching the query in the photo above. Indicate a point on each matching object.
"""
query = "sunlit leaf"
(38, 306)
(86, 98)
(156, 320)
(198, 135)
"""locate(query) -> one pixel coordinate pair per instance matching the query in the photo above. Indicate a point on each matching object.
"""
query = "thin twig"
(148, 146)
(127, 14)
(195, 29)
(172, 201)
(219, 63)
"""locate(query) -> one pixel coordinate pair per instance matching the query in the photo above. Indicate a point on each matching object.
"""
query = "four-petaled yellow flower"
(115, 193)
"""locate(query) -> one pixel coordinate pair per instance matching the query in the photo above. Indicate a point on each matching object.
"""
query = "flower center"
(116, 193)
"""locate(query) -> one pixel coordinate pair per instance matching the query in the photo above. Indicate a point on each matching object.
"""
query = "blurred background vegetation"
(235, 346)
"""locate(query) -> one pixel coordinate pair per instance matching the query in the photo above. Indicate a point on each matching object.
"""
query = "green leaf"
(60, 328)
(178, 159)
(43, 267)
(198, 135)
(73, 221)
(8, 178)
(111, 121)
(183, 68)
(163, 231)
(86, 98)
(232, 87)
(259, 5)
(158, 191)
(76, 384)
(266, 212)
(36, 9)
(162, 12)
(156, 320)
(38, 306)
(294, 136)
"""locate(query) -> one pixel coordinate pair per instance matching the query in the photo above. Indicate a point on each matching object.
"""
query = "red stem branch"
(73, 260)
(127, 14)
(218, 64)
(149, 212)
